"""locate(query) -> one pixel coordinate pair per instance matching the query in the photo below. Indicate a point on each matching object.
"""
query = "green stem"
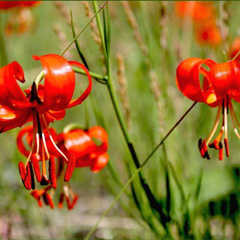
(95, 7)
(3, 57)
(117, 109)
(94, 75)
(40, 76)
(96, 14)
(137, 172)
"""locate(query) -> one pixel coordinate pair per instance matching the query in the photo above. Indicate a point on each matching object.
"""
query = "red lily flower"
(208, 33)
(81, 145)
(203, 15)
(220, 85)
(21, 19)
(235, 48)
(11, 4)
(75, 148)
(196, 10)
(41, 104)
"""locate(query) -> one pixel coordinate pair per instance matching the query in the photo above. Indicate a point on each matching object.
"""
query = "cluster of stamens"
(223, 109)
(39, 153)
(46, 194)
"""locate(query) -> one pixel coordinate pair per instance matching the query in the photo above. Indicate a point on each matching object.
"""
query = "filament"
(54, 144)
(209, 137)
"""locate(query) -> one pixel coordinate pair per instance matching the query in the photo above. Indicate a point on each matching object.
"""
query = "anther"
(30, 172)
(25, 175)
(35, 162)
(37, 196)
(48, 200)
(70, 168)
(220, 155)
(44, 180)
(226, 147)
(52, 172)
(74, 201)
(61, 199)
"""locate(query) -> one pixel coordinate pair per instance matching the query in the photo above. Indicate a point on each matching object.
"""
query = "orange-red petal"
(87, 91)
(100, 162)
(59, 82)
(188, 80)
(11, 95)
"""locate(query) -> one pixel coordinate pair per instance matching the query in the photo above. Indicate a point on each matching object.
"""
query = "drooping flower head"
(78, 149)
(21, 18)
(40, 104)
(220, 85)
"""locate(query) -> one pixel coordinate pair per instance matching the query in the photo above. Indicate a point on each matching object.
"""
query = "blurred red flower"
(203, 15)
(196, 10)
(220, 85)
(11, 4)
(21, 19)
(208, 33)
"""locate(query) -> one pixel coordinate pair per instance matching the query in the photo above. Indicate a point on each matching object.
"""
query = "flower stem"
(138, 171)
(103, 79)
(96, 14)
(94, 75)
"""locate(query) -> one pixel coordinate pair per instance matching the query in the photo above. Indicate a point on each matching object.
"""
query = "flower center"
(40, 153)
(223, 109)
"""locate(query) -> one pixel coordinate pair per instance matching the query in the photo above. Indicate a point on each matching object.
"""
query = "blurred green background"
(211, 188)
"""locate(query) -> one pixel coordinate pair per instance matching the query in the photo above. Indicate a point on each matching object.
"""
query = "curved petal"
(78, 143)
(59, 82)
(100, 134)
(11, 95)
(85, 161)
(100, 162)
(6, 115)
(225, 78)
(188, 80)
(20, 144)
(87, 91)
(10, 120)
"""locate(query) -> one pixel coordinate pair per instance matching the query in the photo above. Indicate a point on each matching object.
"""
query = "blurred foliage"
(201, 196)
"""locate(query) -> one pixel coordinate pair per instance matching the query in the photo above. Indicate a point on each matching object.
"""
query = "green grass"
(198, 189)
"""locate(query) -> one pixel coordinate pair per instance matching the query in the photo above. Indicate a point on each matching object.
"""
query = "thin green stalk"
(137, 172)
(154, 204)
(3, 57)
(101, 32)
(77, 44)
(94, 75)
(40, 76)
(73, 41)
